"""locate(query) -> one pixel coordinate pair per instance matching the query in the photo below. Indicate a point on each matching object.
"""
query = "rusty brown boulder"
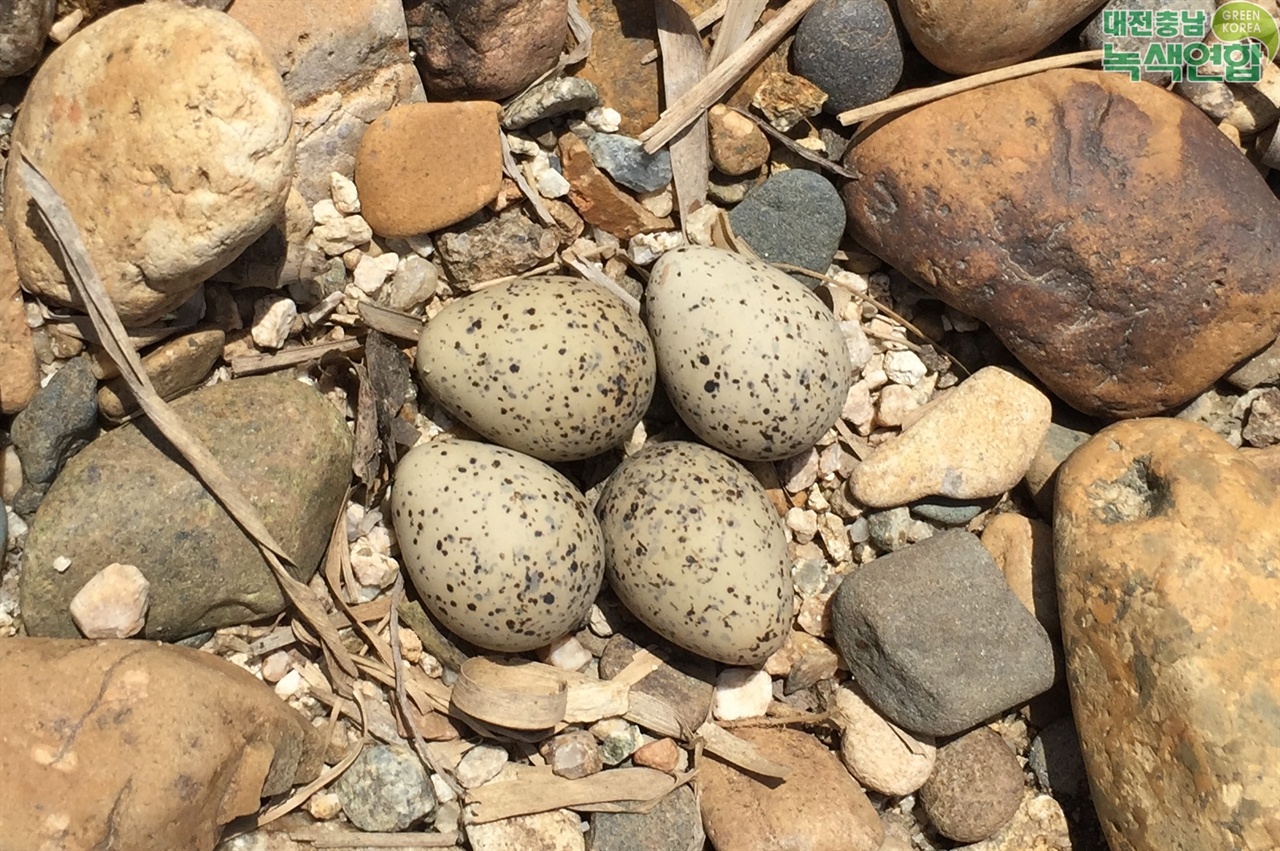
(134, 744)
(1110, 235)
(1167, 548)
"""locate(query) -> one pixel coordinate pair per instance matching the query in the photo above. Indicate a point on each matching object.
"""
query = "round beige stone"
(168, 132)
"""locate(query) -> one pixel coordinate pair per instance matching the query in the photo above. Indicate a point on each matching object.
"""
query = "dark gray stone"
(1093, 37)
(61, 419)
(627, 162)
(1057, 762)
(552, 97)
(1042, 476)
(675, 824)
(23, 27)
(936, 638)
(948, 512)
(127, 498)
(386, 789)
(685, 683)
(851, 50)
(793, 217)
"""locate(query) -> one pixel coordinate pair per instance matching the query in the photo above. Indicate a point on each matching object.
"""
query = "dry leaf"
(739, 20)
(684, 64)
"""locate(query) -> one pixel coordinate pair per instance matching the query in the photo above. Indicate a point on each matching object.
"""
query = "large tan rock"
(170, 168)
(1110, 235)
(131, 745)
(19, 371)
(1167, 549)
(968, 36)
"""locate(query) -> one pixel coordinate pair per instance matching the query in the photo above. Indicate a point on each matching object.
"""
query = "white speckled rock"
(883, 756)
(557, 368)
(753, 361)
(163, 210)
(695, 550)
(976, 441)
(502, 548)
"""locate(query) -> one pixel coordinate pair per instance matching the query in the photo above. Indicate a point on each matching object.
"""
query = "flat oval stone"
(1167, 548)
(1114, 240)
(124, 499)
(851, 50)
(793, 217)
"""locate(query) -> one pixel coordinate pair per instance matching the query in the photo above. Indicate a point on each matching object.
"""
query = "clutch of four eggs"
(510, 556)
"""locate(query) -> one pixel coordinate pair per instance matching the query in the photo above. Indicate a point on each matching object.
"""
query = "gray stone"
(1093, 37)
(675, 824)
(888, 530)
(1262, 368)
(508, 245)
(936, 638)
(685, 683)
(23, 27)
(1263, 425)
(627, 162)
(1057, 762)
(793, 217)
(851, 50)
(556, 96)
(948, 512)
(61, 419)
(386, 789)
(126, 498)
(727, 191)
(1042, 476)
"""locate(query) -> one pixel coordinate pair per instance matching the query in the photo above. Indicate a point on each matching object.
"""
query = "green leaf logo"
(1238, 20)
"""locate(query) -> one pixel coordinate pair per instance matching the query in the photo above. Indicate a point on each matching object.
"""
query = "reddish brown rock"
(425, 166)
(1167, 547)
(737, 144)
(485, 49)
(968, 36)
(820, 807)
(134, 744)
(975, 787)
(1074, 213)
(599, 200)
(624, 32)
(19, 371)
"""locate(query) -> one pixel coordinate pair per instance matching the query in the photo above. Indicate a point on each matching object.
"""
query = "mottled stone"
(556, 96)
(132, 744)
(626, 161)
(160, 212)
(60, 420)
(936, 639)
(485, 49)
(675, 824)
(385, 789)
(507, 245)
(1042, 206)
(426, 166)
(851, 50)
(22, 32)
(1166, 546)
(819, 808)
(968, 36)
(975, 787)
(736, 144)
(598, 200)
(126, 499)
(1262, 368)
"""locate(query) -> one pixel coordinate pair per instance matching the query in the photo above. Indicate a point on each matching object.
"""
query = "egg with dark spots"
(695, 550)
(503, 550)
(557, 368)
(753, 361)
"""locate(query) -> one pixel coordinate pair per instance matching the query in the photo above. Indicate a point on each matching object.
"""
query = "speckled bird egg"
(557, 368)
(695, 550)
(753, 361)
(502, 548)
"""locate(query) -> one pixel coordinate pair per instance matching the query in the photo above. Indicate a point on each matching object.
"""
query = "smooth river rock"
(1114, 240)
(123, 499)
(968, 36)
(160, 211)
(1167, 551)
(130, 744)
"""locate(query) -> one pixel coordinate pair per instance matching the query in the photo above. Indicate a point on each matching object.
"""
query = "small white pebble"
(522, 146)
(372, 272)
(372, 569)
(431, 666)
(660, 202)
(338, 237)
(605, 119)
(66, 26)
(273, 321)
(905, 368)
(113, 603)
(645, 248)
(742, 693)
(325, 212)
(61, 564)
(549, 182)
(803, 523)
(598, 622)
(324, 806)
(275, 666)
(421, 244)
(444, 792)
(481, 764)
(290, 685)
(566, 653)
(343, 192)
(699, 223)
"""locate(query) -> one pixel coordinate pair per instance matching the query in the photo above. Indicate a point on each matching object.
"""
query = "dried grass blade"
(701, 21)
(393, 323)
(256, 364)
(540, 794)
(684, 64)
(513, 171)
(115, 341)
(582, 32)
(598, 277)
(739, 19)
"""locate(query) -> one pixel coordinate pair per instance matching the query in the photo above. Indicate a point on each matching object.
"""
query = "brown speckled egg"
(557, 368)
(502, 548)
(753, 361)
(695, 550)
